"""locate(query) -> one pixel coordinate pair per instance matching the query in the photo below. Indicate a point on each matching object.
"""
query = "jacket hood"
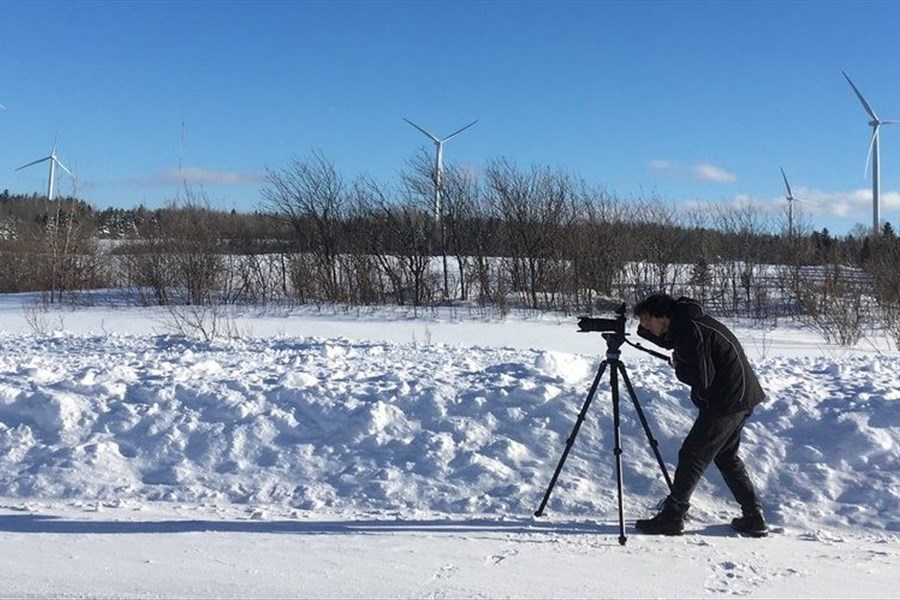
(688, 307)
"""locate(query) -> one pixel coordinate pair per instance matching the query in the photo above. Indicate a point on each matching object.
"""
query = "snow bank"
(335, 424)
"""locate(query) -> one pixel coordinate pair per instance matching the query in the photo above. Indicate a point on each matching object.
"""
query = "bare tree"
(658, 234)
(364, 283)
(478, 241)
(536, 209)
(146, 265)
(600, 245)
(310, 196)
(880, 264)
(419, 181)
(196, 256)
(68, 241)
(796, 254)
(179, 257)
(396, 237)
(744, 228)
(463, 200)
(23, 256)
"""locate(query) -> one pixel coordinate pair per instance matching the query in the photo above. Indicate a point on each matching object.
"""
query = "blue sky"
(686, 101)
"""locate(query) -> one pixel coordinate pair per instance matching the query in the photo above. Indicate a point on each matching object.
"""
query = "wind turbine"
(874, 153)
(790, 200)
(54, 162)
(438, 164)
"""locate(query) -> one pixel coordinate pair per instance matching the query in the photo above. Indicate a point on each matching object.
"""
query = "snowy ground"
(373, 454)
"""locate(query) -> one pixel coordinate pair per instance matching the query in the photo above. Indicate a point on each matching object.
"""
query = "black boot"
(752, 524)
(669, 520)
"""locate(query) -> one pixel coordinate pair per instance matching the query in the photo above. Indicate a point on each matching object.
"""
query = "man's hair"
(657, 305)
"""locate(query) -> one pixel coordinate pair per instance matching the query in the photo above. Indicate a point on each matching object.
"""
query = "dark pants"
(714, 438)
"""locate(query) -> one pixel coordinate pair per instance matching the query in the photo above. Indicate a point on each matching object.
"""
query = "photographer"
(707, 357)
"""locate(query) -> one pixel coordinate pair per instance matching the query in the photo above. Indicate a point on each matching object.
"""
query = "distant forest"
(504, 238)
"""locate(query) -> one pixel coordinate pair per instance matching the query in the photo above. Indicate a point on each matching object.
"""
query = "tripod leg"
(654, 445)
(571, 440)
(614, 386)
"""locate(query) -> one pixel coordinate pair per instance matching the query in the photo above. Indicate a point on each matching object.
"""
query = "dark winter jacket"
(709, 359)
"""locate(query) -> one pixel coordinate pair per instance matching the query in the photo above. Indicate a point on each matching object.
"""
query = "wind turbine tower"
(54, 162)
(874, 152)
(790, 200)
(438, 161)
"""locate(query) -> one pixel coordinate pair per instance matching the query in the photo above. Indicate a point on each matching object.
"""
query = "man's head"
(654, 312)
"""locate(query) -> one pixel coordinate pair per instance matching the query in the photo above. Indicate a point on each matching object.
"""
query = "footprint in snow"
(434, 589)
(445, 572)
(496, 559)
(736, 579)
(740, 579)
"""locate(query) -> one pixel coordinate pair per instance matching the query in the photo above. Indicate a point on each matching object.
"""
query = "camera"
(615, 326)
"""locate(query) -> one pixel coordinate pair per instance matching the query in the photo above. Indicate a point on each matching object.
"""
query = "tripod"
(614, 342)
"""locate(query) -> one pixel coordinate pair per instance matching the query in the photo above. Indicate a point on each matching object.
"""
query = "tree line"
(504, 237)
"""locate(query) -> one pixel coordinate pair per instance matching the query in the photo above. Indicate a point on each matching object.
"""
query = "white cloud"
(708, 172)
(890, 200)
(855, 203)
(817, 207)
(661, 165)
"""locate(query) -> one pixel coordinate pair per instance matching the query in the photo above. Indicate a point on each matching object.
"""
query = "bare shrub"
(36, 315)
(178, 258)
(208, 322)
(881, 259)
(834, 303)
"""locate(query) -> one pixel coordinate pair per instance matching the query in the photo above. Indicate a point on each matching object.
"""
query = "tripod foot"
(622, 540)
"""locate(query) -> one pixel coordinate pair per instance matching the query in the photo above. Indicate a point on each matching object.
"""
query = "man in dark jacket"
(707, 357)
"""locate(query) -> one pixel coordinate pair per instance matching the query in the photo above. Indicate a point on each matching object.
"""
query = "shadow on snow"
(55, 525)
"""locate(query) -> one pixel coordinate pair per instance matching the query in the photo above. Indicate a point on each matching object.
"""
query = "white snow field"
(330, 454)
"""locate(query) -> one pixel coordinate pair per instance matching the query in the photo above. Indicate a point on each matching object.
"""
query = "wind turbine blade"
(861, 99)
(871, 148)
(458, 131)
(63, 167)
(436, 141)
(790, 196)
(893, 122)
(40, 160)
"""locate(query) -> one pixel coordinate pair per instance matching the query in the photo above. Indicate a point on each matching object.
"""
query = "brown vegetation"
(535, 238)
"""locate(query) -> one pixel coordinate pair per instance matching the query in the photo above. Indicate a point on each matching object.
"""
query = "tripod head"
(613, 326)
(613, 331)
